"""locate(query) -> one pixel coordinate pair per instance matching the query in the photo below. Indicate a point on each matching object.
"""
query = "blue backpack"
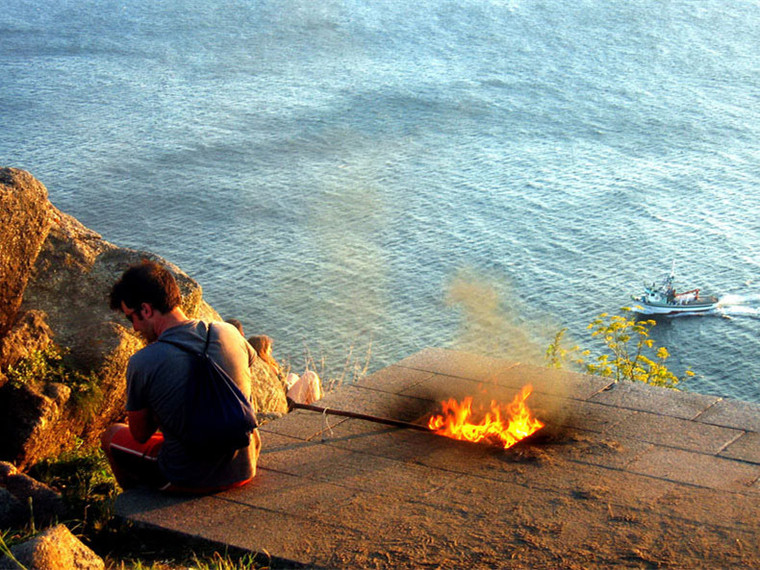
(218, 417)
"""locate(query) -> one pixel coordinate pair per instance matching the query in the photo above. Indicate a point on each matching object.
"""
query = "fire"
(503, 424)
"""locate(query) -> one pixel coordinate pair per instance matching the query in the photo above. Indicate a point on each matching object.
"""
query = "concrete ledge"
(644, 398)
(746, 448)
(623, 475)
(733, 414)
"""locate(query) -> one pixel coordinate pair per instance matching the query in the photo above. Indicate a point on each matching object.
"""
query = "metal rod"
(375, 419)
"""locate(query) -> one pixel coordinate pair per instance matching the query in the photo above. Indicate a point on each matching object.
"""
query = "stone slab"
(455, 363)
(619, 476)
(580, 414)
(732, 413)
(237, 524)
(363, 400)
(677, 433)
(492, 371)
(642, 397)
(305, 425)
(746, 448)
(599, 449)
(696, 469)
(393, 379)
(552, 381)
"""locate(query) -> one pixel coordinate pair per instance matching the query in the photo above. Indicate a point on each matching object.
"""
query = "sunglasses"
(131, 316)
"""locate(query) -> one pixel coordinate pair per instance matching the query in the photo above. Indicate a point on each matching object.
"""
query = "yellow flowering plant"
(629, 352)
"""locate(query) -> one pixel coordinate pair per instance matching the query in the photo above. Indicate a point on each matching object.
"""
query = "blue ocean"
(364, 179)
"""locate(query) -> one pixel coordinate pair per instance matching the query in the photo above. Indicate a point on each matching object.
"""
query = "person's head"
(145, 291)
(237, 324)
(262, 343)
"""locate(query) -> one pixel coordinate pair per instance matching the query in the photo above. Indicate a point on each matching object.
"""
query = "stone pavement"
(624, 475)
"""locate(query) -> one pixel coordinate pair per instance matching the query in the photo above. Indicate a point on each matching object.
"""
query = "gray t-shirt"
(156, 377)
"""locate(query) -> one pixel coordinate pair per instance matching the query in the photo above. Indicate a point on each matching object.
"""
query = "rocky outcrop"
(29, 334)
(23, 499)
(67, 277)
(54, 549)
(35, 422)
(70, 283)
(24, 225)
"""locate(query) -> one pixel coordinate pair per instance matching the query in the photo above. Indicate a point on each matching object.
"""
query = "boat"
(663, 299)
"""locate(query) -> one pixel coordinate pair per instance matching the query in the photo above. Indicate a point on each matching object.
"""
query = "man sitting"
(149, 448)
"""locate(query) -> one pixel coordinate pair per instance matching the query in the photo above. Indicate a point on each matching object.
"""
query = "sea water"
(364, 179)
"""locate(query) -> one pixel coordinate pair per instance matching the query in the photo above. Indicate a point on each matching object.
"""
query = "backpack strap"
(208, 339)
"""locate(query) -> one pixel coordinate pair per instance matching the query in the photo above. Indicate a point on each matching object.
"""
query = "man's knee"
(107, 436)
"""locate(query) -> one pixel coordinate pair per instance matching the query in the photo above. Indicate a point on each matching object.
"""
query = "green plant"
(556, 354)
(8, 538)
(32, 369)
(629, 352)
(86, 483)
(219, 562)
(213, 561)
(133, 547)
(48, 365)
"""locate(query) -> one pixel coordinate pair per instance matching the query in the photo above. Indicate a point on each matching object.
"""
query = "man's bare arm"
(142, 424)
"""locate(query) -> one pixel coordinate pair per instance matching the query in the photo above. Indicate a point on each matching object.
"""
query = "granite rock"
(60, 292)
(24, 225)
(54, 549)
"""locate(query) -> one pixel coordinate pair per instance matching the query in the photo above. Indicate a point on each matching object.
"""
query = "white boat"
(663, 299)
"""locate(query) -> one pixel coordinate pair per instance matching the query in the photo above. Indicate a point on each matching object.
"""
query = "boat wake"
(730, 306)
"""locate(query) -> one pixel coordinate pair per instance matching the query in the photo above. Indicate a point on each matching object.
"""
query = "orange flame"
(502, 424)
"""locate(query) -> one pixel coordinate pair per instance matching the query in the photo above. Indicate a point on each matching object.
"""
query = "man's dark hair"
(146, 282)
